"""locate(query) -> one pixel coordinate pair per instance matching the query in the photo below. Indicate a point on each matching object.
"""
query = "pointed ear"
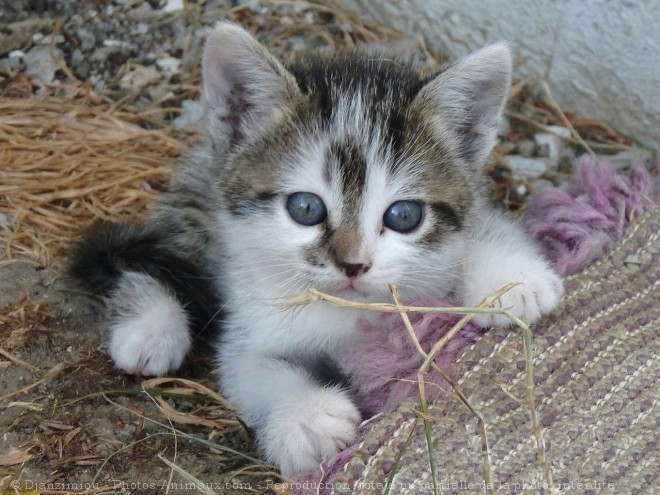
(246, 88)
(464, 102)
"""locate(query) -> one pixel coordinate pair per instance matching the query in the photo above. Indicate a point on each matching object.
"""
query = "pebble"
(139, 77)
(77, 57)
(560, 131)
(552, 145)
(142, 13)
(48, 39)
(528, 168)
(99, 86)
(87, 39)
(159, 93)
(173, 5)
(15, 60)
(39, 63)
(506, 148)
(191, 114)
(526, 148)
(141, 28)
(169, 66)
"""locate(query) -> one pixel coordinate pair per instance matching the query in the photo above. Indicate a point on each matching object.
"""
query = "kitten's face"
(345, 210)
(346, 174)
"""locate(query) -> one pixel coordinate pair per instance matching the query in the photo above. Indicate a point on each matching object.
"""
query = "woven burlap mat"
(597, 375)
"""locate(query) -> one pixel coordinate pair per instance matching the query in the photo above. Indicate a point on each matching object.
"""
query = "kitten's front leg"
(499, 252)
(299, 422)
(149, 332)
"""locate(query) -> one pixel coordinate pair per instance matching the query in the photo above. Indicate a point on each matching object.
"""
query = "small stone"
(142, 13)
(77, 57)
(309, 18)
(506, 148)
(15, 60)
(285, 20)
(191, 114)
(552, 145)
(101, 54)
(87, 39)
(527, 168)
(4, 220)
(559, 131)
(526, 148)
(158, 92)
(39, 63)
(173, 6)
(141, 28)
(48, 39)
(99, 86)
(139, 77)
(169, 66)
(80, 64)
(113, 43)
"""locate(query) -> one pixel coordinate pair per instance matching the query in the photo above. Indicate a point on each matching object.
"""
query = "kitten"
(344, 174)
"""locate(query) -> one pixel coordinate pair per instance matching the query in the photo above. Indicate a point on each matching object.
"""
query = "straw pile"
(66, 163)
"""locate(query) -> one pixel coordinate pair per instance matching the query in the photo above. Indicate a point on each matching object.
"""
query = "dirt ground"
(80, 424)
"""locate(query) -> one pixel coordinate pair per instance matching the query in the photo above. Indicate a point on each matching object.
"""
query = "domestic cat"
(342, 173)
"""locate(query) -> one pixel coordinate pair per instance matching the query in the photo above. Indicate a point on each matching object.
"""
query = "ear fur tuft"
(245, 86)
(465, 101)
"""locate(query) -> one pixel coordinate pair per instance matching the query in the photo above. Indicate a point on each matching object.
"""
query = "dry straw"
(66, 163)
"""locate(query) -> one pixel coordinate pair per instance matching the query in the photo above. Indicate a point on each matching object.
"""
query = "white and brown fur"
(360, 132)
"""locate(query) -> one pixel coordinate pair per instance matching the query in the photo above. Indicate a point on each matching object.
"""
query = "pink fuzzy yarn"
(383, 369)
(579, 225)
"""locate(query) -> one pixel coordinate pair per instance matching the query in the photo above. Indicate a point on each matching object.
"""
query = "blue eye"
(403, 216)
(306, 208)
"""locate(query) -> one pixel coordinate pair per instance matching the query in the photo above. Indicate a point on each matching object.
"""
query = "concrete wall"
(601, 58)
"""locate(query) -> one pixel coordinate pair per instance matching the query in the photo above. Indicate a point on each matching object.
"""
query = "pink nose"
(352, 270)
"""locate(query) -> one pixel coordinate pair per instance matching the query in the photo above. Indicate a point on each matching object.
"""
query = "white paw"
(539, 292)
(300, 435)
(149, 329)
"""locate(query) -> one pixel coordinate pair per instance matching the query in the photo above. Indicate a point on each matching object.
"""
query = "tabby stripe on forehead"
(261, 200)
(352, 168)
